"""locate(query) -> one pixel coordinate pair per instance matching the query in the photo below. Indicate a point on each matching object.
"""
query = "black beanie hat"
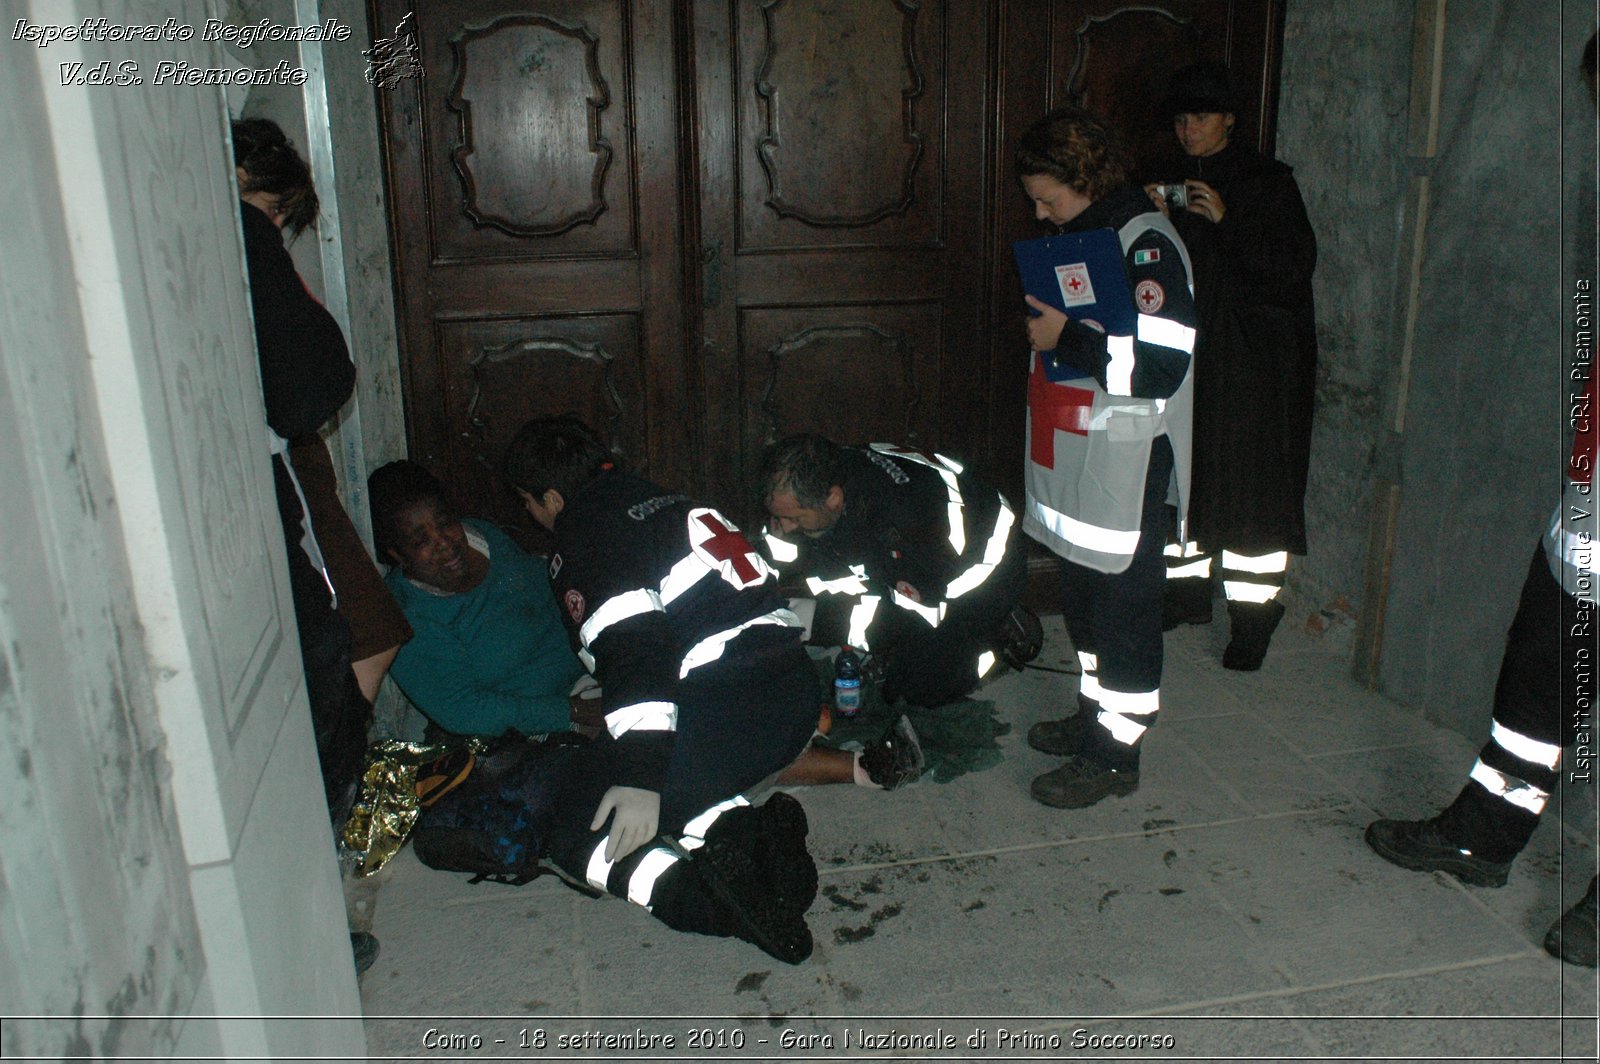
(1200, 88)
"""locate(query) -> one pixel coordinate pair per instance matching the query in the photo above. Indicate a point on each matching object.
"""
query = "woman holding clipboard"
(1109, 413)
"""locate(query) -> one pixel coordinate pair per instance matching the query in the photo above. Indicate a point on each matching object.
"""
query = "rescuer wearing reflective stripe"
(1544, 697)
(907, 555)
(706, 692)
(1106, 453)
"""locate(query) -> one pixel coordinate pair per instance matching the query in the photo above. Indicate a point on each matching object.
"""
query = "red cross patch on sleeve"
(719, 544)
(1149, 296)
(575, 606)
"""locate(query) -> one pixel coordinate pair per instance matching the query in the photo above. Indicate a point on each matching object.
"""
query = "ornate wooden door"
(702, 224)
(696, 224)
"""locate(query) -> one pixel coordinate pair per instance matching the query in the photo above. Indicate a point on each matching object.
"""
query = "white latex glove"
(806, 610)
(634, 813)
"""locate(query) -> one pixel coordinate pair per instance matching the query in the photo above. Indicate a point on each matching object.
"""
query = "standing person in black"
(907, 555)
(306, 376)
(1256, 361)
(706, 692)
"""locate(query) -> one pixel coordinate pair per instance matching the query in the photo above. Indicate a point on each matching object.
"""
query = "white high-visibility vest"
(1087, 507)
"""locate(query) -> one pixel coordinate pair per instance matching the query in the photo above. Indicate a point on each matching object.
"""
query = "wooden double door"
(704, 224)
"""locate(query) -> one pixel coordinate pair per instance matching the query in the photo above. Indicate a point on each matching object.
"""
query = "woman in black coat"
(1253, 250)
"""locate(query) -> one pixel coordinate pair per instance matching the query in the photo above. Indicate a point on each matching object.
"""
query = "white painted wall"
(164, 849)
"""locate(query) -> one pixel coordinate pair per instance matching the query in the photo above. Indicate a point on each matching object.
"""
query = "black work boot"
(1099, 768)
(1186, 600)
(1064, 737)
(772, 837)
(1572, 938)
(1424, 846)
(364, 946)
(1253, 625)
(1082, 781)
(752, 880)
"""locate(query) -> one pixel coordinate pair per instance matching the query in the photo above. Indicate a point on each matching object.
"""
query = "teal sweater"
(492, 658)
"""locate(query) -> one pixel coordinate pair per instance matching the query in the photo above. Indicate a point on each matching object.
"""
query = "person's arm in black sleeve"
(1151, 363)
(306, 372)
(1154, 363)
(845, 603)
(636, 662)
(988, 520)
(1079, 346)
(1265, 241)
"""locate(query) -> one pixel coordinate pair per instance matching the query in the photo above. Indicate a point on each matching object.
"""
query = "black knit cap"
(1200, 88)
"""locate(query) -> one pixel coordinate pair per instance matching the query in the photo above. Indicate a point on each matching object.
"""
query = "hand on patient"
(635, 814)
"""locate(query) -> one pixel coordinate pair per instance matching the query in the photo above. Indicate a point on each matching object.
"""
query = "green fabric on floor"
(956, 738)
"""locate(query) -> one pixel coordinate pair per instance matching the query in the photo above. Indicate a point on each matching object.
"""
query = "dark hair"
(806, 465)
(1587, 65)
(1078, 149)
(555, 452)
(271, 165)
(394, 488)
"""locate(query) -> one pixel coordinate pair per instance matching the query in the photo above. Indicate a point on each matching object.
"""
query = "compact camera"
(1177, 196)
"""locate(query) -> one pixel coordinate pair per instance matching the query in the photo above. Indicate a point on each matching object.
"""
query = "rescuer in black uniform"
(706, 691)
(906, 555)
(1108, 451)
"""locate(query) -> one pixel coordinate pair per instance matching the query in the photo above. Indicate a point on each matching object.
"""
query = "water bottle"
(847, 683)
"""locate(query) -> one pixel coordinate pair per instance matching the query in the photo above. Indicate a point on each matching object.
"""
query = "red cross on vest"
(1054, 408)
(723, 547)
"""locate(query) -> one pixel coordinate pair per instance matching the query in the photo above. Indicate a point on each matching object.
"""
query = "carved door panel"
(536, 215)
(842, 216)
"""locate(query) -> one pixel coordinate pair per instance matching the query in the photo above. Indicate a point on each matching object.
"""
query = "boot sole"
(1467, 871)
(1240, 663)
(1575, 944)
(1120, 787)
(730, 878)
(784, 827)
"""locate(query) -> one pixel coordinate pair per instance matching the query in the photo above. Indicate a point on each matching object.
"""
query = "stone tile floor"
(1228, 908)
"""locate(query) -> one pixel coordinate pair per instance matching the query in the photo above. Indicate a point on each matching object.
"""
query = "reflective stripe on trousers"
(1127, 715)
(657, 860)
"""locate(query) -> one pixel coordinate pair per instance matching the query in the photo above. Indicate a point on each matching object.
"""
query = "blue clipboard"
(1083, 276)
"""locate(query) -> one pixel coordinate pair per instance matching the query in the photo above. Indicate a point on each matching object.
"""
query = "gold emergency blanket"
(387, 806)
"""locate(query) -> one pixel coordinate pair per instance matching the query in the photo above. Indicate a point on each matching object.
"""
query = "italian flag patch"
(1147, 256)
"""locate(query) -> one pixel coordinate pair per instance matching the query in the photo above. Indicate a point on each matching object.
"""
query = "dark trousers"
(932, 666)
(340, 714)
(1117, 616)
(1546, 676)
(733, 732)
